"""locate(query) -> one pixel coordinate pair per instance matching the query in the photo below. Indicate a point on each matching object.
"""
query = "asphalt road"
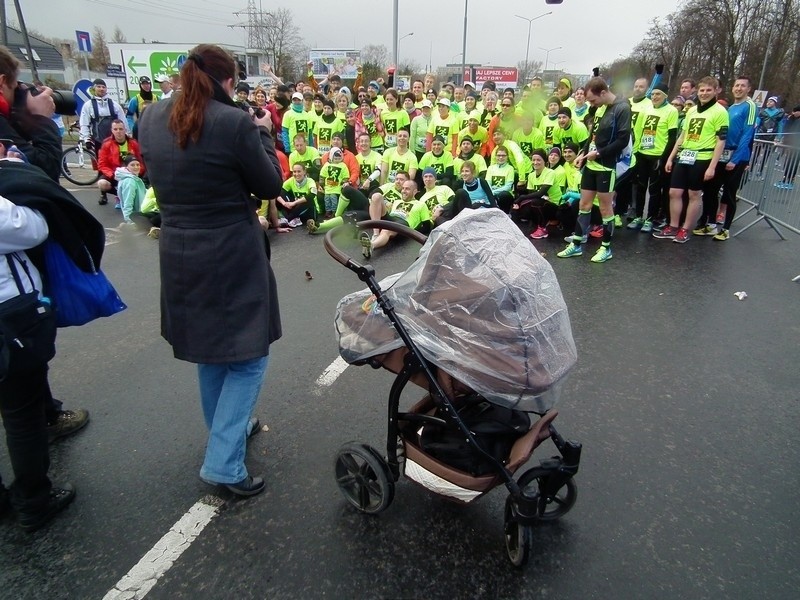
(685, 399)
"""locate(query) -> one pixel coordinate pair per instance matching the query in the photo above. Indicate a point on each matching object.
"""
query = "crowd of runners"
(580, 161)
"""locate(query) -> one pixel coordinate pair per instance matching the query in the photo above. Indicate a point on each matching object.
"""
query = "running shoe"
(602, 255)
(617, 221)
(540, 233)
(311, 225)
(668, 233)
(636, 223)
(647, 226)
(295, 223)
(659, 225)
(596, 231)
(707, 230)
(570, 251)
(366, 244)
(571, 238)
(283, 222)
(722, 235)
(681, 236)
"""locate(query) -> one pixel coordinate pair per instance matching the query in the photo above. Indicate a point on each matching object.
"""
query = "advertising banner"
(502, 76)
(340, 62)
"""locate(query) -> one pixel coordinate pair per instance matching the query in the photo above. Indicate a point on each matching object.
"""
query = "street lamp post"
(397, 61)
(528, 45)
(464, 46)
(547, 56)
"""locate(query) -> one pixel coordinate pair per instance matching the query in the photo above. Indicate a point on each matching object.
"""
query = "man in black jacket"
(609, 139)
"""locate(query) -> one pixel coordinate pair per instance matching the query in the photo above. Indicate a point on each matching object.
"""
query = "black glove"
(596, 72)
(660, 69)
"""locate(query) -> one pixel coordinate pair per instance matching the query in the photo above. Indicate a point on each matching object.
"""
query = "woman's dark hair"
(205, 65)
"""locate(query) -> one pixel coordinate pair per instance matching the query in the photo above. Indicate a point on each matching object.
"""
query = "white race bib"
(391, 140)
(726, 155)
(592, 147)
(687, 157)
(648, 142)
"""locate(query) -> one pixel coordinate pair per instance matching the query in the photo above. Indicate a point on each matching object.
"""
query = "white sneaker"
(283, 222)
(295, 223)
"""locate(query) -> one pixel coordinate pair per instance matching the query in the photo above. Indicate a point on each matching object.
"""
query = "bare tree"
(100, 55)
(282, 43)
(118, 37)
(374, 59)
(525, 72)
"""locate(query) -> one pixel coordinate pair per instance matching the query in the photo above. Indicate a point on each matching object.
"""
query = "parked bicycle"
(79, 164)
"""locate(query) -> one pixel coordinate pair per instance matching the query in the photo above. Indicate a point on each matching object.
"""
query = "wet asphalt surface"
(685, 399)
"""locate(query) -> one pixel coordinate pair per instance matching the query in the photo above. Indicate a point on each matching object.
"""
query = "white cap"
(163, 78)
(297, 95)
(443, 101)
(426, 104)
(469, 83)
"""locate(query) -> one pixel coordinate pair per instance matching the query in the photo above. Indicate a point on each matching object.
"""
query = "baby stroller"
(480, 323)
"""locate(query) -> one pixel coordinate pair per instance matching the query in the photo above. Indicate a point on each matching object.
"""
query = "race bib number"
(592, 147)
(687, 157)
(648, 142)
(391, 140)
(421, 144)
(324, 148)
(726, 155)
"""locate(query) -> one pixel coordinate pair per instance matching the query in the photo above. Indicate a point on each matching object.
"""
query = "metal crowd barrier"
(770, 184)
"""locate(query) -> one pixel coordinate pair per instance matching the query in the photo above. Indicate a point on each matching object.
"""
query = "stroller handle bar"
(397, 228)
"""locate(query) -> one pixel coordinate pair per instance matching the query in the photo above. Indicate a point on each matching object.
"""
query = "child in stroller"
(479, 322)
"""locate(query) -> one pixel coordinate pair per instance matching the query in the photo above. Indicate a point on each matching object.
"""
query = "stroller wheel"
(554, 506)
(364, 478)
(518, 536)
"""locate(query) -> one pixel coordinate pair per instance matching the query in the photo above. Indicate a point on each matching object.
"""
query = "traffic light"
(553, 1)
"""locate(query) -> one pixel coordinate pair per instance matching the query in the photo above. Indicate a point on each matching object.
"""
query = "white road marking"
(146, 573)
(330, 374)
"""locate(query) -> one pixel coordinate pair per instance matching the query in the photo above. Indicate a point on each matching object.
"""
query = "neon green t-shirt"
(395, 162)
(446, 128)
(487, 116)
(572, 177)
(480, 164)
(419, 132)
(368, 164)
(528, 142)
(323, 132)
(438, 196)
(307, 189)
(638, 108)
(298, 122)
(700, 130)
(307, 159)
(516, 158)
(464, 116)
(390, 192)
(500, 177)
(548, 126)
(334, 175)
(656, 124)
(415, 212)
(393, 122)
(576, 132)
(439, 163)
(546, 177)
(479, 138)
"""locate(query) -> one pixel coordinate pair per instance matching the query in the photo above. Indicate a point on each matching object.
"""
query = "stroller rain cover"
(482, 304)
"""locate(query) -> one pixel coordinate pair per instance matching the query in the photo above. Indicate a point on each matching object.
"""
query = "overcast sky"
(590, 31)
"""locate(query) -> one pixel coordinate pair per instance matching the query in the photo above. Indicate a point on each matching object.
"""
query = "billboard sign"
(502, 76)
(339, 62)
(148, 59)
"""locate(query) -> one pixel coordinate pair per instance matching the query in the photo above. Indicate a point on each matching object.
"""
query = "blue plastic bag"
(78, 297)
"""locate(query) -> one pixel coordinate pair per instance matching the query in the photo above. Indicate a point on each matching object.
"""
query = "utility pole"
(3, 23)
(528, 45)
(395, 29)
(31, 60)
(464, 46)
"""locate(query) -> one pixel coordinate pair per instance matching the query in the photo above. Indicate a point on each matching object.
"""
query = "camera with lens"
(65, 102)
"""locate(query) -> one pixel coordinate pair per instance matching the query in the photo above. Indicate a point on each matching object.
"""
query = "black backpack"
(495, 428)
(101, 126)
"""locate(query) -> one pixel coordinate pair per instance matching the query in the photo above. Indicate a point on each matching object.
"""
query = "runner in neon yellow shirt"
(400, 158)
(501, 177)
(394, 118)
(308, 156)
(693, 160)
(549, 123)
(527, 137)
(516, 157)
(569, 130)
(326, 126)
(564, 93)
(440, 160)
(419, 129)
(539, 202)
(445, 125)
(407, 211)
(333, 174)
(468, 153)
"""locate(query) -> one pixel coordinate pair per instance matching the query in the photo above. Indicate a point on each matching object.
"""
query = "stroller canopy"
(482, 304)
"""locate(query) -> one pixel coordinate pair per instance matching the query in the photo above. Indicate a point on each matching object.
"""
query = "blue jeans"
(228, 393)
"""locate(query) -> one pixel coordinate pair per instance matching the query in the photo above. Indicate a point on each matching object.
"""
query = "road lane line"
(330, 374)
(146, 573)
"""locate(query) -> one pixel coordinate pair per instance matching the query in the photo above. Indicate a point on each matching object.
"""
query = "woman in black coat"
(219, 305)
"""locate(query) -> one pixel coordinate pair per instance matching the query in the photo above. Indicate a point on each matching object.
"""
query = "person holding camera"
(219, 305)
(26, 124)
(98, 114)
(26, 118)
